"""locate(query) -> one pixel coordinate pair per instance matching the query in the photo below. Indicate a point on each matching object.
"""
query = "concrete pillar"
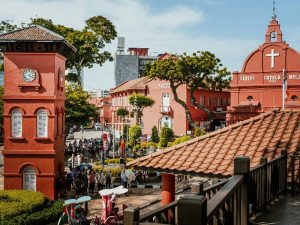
(168, 188)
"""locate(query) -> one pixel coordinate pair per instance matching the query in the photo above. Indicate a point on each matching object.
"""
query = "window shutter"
(42, 124)
(16, 123)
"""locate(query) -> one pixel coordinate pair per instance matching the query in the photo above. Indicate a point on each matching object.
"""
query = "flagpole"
(283, 88)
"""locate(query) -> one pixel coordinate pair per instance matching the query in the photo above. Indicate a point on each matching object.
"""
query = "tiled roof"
(136, 84)
(213, 154)
(32, 33)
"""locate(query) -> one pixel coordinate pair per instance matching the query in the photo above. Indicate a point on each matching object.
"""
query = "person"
(124, 179)
(79, 185)
(91, 180)
(107, 181)
(145, 176)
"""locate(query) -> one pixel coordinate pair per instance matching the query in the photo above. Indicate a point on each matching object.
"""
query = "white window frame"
(29, 178)
(16, 123)
(42, 132)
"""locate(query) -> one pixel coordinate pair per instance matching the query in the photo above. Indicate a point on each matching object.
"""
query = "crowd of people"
(83, 182)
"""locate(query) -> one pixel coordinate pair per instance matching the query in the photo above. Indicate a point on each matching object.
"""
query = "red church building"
(34, 97)
(270, 78)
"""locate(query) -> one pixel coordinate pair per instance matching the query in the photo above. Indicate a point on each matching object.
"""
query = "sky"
(229, 28)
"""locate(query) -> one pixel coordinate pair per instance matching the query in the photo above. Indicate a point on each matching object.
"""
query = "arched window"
(42, 123)
(250, 98)
(294, 98)
(16, 123)
(29, 179)
(166, 121)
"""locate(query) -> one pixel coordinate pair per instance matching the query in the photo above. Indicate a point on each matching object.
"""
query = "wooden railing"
(267, 182)
(166, 214)
(229, 202)
(294, 174)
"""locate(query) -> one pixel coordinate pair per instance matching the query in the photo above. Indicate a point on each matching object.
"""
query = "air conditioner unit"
(219, 109)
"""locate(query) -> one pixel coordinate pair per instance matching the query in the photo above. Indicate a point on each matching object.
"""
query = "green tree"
(166, 135)
(200, 70)
(139, 102)
(96, 34)
(77, 107)
(1, 105)
(135, 132)
(122, 112)
(154, 135)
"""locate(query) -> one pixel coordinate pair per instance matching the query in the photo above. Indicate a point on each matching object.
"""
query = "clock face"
(273, 36)
(28, 75)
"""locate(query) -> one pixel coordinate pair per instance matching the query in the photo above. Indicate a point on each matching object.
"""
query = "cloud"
(215, 2)
(142, 24)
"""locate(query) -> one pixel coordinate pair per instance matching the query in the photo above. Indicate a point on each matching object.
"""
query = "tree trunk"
(79, 79)
(182, 103)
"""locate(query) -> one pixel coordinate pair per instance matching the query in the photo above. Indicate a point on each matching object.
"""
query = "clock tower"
(34, 97)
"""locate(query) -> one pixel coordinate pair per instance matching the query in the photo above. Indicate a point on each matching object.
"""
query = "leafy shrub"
(113, 171)
(182, 139)
(166, 135)
(146, 145)
(154, 135)
(135, 132)
(199, 132)
(16, 202)
(116, 160)
(51, 213)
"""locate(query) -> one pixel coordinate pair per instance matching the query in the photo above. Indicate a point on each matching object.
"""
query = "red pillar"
(168, 188)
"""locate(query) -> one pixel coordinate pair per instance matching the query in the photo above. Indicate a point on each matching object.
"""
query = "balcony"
(165, 110)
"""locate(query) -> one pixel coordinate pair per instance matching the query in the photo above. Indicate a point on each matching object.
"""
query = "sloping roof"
(136, 84)
(32, 33)
(213, 154)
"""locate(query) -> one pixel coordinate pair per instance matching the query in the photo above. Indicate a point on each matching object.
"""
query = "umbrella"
(83, 166)
(130, 174)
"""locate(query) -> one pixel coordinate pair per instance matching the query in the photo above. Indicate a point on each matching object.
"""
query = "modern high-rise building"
(130, 65)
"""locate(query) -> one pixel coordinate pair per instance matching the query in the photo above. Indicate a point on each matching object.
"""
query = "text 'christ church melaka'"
(270, 78)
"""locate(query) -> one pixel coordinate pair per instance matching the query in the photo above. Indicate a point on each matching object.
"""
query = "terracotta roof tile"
(32, 33)
(213, 154)
(136, 84)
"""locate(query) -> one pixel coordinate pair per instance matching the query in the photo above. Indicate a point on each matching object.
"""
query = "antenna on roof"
(274, 16)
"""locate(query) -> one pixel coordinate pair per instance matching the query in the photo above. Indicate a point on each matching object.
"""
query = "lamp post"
(135, 108)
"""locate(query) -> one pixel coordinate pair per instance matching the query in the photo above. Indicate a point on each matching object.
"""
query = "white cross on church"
(272, 55)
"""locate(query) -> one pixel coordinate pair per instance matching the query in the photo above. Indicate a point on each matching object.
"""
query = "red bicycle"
(110, 213)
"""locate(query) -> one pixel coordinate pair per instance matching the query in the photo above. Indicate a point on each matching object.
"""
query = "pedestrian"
(124, 179)
(98, 180)
(107, 181)
(79, 185)
(91, 180)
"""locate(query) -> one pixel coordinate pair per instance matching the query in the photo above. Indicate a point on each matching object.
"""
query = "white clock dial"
(29, 75)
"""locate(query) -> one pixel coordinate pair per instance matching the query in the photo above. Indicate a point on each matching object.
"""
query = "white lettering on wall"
(272, 78)
(294, 77)
(164, 85)
(244, 78)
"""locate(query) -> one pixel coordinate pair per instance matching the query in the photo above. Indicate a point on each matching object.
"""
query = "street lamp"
(135, 108)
